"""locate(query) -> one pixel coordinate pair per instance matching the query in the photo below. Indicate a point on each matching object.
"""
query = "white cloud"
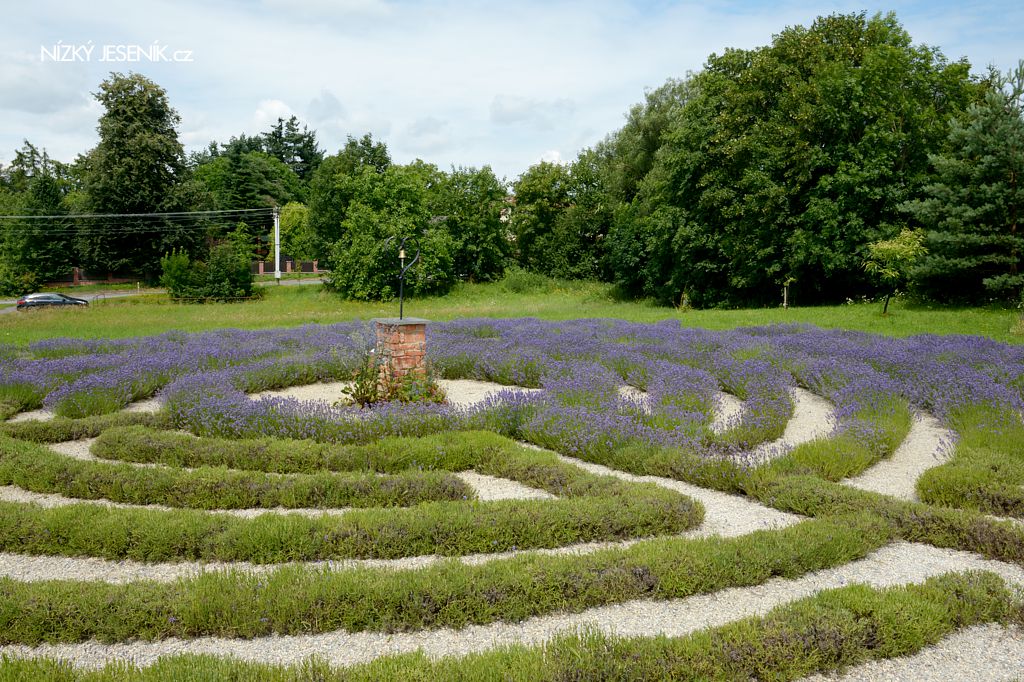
(322, 9)
(29, 84)
(427, 134)
(553, 156)
(458, 83)
(512, 109)
(268, 111)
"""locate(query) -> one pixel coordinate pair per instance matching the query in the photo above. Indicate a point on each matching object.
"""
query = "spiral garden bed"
(638, 501)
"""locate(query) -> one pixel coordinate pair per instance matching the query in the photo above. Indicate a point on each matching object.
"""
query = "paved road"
(121, 294)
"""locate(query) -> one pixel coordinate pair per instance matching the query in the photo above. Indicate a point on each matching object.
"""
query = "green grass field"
(289, 306)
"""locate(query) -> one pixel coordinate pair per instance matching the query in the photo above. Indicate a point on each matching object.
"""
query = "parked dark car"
(40, 300)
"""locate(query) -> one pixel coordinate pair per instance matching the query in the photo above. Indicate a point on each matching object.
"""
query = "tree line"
(840, 161)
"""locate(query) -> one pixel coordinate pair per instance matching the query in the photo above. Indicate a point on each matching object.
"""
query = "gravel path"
(897, 564)
(32, 415)
(10, 493)
(728, 410)
(724, 515)
(983, 652)
(460, 392)
(492, 488)
(41, 568)
(150, 405)
(813, 417)
(926, 446)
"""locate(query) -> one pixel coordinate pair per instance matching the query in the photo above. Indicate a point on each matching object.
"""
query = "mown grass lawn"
(295, 305)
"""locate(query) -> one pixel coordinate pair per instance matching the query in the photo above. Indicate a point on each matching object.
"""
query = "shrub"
(367, 388)
(224, 276)
(519, 281)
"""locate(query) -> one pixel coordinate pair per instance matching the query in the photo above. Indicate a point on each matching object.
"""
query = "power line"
(183, 214)
(112, 229)
(120, 224)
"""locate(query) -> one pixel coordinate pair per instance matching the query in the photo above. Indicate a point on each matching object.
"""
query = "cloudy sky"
(453, 83)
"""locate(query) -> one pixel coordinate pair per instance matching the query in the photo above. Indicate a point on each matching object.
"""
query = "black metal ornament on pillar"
(403, 268)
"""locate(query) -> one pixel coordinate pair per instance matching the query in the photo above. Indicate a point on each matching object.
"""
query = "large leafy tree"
(562, 214)
(469, 203)
(541, 194)
(384, 208)
(297, 240)
(335, 184)
(248, 180)
(973, 209)
(782, 163)
(137, 167)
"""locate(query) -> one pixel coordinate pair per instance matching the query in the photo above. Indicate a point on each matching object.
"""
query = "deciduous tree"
(135, 168)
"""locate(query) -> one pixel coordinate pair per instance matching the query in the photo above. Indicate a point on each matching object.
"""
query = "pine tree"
(972, 211)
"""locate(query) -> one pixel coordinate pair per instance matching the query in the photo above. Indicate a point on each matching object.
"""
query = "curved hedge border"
(298, 599)
(828, 631)
(39, 469)
(590, 508)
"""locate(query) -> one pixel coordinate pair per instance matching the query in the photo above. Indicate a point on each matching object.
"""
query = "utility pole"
(277, 244)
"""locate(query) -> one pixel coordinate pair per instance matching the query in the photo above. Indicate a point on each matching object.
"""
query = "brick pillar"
(287, 266)
(401, 347)
(259, 268)
(74, 277)
(315, 266)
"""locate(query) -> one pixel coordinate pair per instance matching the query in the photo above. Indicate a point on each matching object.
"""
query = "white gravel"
(813, 417)
(82, 450)
(728, 411)
(901, 563)
(149, 406)
(490, 488)
(460, 392)
(926, 446)
(10, 493)
(32, 415)
(41, 568)
(724, 515)
(984, 652)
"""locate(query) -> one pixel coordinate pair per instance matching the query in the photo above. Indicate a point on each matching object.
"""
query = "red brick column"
(401, 347)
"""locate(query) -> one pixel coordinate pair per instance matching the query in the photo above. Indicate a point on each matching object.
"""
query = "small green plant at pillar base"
(365, 387)
(370, 385)
(413, 388)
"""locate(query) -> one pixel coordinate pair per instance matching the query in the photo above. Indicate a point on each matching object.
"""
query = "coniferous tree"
(973, 210)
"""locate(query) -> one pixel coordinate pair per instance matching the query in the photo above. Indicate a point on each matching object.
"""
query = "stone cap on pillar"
(396, 322)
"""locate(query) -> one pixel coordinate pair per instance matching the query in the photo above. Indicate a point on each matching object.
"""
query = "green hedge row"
(827, 632)
(297, 599)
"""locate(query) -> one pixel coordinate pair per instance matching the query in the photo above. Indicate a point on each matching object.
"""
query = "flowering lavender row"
(580, 365)
(74, 382)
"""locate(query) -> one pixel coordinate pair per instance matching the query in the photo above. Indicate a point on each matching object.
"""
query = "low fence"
(81, 277)
(287, 266)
